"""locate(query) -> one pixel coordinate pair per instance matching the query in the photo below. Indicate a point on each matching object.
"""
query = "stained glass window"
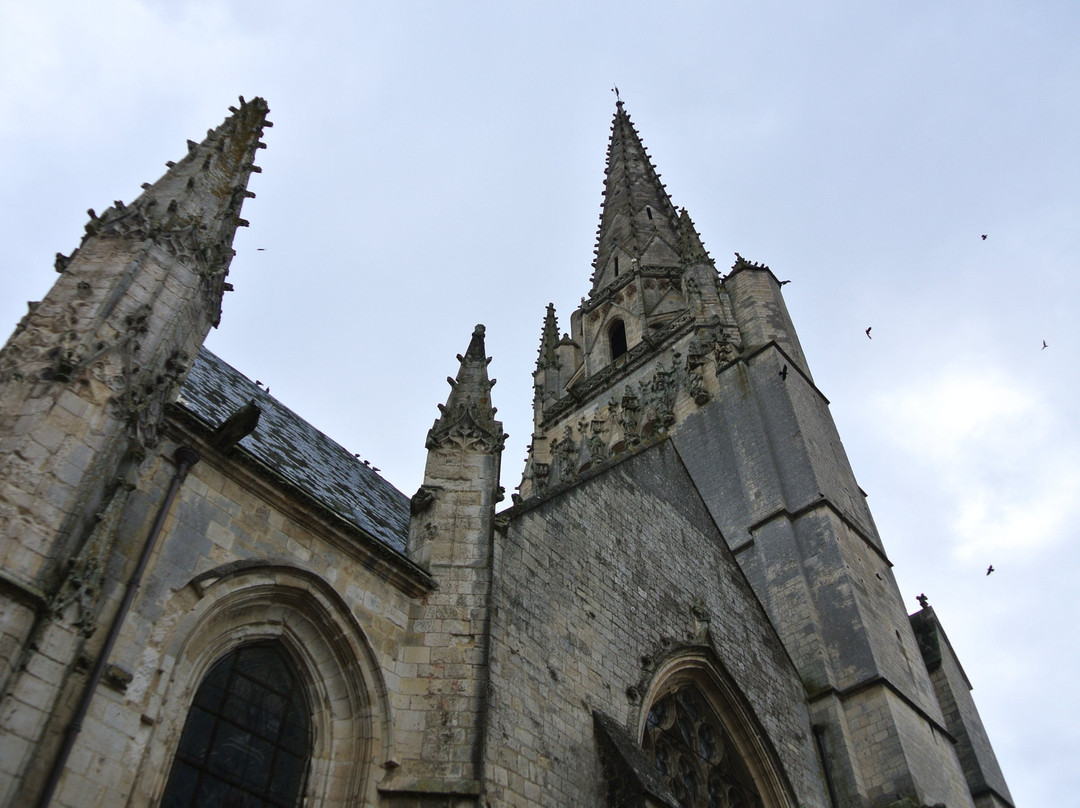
(247, 739)
(695, 754)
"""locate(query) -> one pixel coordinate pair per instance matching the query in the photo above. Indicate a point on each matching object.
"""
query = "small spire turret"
(468, 417)
(549, 341)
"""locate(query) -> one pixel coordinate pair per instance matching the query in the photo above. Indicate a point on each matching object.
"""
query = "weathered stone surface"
(689, 544)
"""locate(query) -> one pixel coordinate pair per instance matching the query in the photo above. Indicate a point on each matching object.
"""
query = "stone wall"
(241, 560)
(595, 589)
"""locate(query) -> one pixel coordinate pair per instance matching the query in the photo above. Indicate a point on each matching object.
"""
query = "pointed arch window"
(247, 739)
(617, 339)
(695, 754)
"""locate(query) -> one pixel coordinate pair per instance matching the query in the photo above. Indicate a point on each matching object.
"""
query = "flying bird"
(783, 282)
(1044, 345)
(261, 249)
(989, 569)
(783, 373)
(868, 332)
(984, 236)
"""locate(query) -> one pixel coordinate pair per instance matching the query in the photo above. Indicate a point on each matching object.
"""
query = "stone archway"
(350, 726)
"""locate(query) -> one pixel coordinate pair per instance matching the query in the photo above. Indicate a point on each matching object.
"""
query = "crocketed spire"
(549, 341)
(638, 223)
(468, 418)
(194, 208)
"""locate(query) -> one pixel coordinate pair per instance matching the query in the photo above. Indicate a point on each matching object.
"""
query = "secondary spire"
(195, 206)
(467, 417)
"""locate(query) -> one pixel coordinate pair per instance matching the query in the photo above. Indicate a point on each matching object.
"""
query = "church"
(207, 602)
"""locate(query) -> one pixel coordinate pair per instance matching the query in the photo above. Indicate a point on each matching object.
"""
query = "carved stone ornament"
(661, 391)
(81, 586)
(565, 452)
(421, 500)
(695, 755)
(460, 426)
(141, 402)
(695, 373)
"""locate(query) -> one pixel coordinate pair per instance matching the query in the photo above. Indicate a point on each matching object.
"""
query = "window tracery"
(695, 754)
(247, 738)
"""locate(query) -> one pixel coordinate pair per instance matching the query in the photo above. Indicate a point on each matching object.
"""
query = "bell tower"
(654, 316)
(664, 348)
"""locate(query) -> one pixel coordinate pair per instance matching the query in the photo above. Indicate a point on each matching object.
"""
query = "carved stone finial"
(421, 500)
(468, 418)
(549, 341)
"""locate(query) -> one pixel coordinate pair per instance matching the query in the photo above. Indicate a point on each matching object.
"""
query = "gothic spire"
(195, 206)
(468, 418)
(638, 223)
(549, 341)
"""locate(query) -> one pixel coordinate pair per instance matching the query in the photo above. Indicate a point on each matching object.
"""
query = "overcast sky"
(436, 165)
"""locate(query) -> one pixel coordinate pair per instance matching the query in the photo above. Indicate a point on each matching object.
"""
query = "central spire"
(638, 224)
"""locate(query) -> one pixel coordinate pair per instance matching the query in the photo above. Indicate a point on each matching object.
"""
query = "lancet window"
(617, 339)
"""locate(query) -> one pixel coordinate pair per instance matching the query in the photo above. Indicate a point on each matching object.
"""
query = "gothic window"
(617, 339)
(247, 739)
(695, 754)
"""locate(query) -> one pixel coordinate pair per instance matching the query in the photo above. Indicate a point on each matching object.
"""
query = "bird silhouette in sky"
(984, 236)
(783, 373)
(989, 569)
(868, 332)
(1044, 345)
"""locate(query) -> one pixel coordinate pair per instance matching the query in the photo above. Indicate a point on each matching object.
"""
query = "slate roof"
(298, 452)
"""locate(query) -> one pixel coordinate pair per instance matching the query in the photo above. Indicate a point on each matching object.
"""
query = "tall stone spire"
(84, 382)
(112, 340)
(193, 210)
(638, 223)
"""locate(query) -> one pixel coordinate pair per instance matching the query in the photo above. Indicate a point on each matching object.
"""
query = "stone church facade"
(206, 602)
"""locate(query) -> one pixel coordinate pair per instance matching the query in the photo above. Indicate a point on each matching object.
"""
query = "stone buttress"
(84, 381)
(441, 709)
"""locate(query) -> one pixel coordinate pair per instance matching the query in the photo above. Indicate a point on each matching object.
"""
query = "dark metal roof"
(298, 452)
